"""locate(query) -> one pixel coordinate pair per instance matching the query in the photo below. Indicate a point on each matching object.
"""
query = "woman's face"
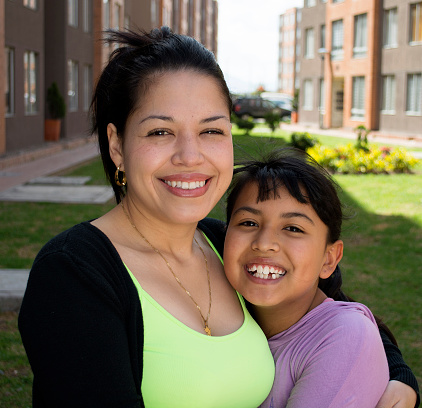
(276, 250)
(177, 151)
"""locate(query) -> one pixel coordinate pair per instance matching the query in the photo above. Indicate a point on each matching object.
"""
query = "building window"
(308, 94)
(310, 3)
(87, 87)
(72, 87)
(32, 4)
(87, 16)
(309, 43)
(322, 36)
(337, 40)
(322, 95)
(106, 14)
(414, 94)
(360, 34)
(116, 17)
(358, 97)
(72, 13)
(390, 28)
(154, 12)
(388, 94)
(416, 23)
(30, 62)
(338, 1)
(10, 81)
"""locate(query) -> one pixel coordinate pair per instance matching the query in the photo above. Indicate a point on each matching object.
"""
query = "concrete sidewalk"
(17, 170)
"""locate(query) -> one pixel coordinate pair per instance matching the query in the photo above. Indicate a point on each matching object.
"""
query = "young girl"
(282, 245)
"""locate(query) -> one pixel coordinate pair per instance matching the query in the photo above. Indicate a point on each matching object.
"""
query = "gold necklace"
(205, 320)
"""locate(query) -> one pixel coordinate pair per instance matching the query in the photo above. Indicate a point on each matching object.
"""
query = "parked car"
(256, 108)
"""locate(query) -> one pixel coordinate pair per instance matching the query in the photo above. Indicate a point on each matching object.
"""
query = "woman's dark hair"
(132, 68)
(308, 183)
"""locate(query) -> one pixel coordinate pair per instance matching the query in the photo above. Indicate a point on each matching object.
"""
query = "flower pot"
(52, 130)
(294, 117)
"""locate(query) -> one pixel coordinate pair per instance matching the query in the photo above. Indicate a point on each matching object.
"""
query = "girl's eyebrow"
(282, 215)
(170, 119)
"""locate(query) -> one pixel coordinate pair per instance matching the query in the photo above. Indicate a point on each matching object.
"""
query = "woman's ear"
(333, 255)
(115, 146)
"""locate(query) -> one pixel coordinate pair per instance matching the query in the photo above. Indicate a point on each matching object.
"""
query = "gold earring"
(120, 177)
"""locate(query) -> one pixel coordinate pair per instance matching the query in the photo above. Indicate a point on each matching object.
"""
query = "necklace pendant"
(207, 330)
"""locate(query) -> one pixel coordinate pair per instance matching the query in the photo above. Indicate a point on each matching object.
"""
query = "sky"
(248, 42)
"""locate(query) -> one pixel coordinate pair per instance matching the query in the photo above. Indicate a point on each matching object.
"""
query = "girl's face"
(177, 151)
(276, 250)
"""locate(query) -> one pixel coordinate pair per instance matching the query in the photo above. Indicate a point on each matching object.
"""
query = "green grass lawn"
(381, 264)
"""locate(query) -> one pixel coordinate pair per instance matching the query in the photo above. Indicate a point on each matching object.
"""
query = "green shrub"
(272, 119)
(352, 160)
(302, 141)
(246, 124)
(55, 102)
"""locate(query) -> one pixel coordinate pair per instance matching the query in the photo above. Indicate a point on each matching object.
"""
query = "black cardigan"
(80, 306)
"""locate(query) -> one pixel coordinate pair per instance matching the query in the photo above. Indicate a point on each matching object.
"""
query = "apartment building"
(358, 67)
(289, 48)
(60, 40)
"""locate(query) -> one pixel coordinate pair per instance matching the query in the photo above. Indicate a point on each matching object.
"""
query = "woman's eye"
(293, 229)
(213, 132)
(158, 132)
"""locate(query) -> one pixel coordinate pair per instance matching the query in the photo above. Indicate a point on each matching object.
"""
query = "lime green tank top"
(185, 368)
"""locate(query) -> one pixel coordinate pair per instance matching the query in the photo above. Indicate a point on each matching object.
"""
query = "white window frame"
(72, 85)
(310, 3)
(415, 27)
(360, 48)
(390, 28)
(358, 98)
(321, 101)
(10, 81)
(31, 4)
(337, 40)
(309, 43)
(388, 102)
(106, 14)
(414, 94)
(30, 67)
(308, 95)
(87, 87)
(87, 16)
(72, 13)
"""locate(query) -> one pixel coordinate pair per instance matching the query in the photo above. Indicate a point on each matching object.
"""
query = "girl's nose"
(188, 150)
(265, 240)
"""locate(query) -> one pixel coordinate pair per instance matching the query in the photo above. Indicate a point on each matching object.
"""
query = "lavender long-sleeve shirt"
(332, 358)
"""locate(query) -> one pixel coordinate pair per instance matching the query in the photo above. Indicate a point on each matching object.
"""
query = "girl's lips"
(265, 271)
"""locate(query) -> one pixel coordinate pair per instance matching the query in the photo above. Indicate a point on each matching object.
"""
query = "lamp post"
(321, 109)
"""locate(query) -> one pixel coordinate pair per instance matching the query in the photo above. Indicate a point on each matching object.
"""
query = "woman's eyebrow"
(161, 117)
(214, 118)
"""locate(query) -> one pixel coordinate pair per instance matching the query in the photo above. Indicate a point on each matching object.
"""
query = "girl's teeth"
(265, 272)
(185, 185)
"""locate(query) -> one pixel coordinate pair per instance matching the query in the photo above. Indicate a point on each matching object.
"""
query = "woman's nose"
(265, 240)
(188, 150)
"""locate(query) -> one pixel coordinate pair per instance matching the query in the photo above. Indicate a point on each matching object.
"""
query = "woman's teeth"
(185, 185)
(265, 271)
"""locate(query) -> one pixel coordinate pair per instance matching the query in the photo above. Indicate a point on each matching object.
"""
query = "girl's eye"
(294, 229)
(248, 224)
(158, 132)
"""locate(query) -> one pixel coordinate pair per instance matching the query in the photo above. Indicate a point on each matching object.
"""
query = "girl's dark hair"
(308, 183)
(131, 70)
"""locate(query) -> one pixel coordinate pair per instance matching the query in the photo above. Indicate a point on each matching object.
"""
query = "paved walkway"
(19, 170)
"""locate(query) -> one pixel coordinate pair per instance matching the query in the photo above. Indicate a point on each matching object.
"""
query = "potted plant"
(57, 110)
(295, 106)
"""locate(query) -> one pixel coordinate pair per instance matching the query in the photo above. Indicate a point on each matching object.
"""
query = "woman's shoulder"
(80, 241)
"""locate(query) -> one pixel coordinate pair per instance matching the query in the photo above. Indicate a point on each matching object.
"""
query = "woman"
(118, 311)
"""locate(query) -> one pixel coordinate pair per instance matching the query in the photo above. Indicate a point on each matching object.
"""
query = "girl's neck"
(278, 318)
